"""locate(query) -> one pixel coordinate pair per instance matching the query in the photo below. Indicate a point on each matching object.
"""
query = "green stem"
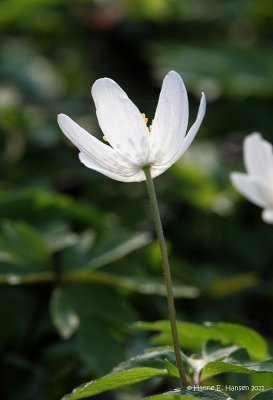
(167, 274)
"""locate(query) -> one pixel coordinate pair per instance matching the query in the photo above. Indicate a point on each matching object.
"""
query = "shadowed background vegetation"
(78, 260)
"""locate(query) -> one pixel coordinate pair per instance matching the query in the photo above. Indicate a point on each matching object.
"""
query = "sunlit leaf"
(191, 393)
(193, 335)
(243, 337)
(162, 358)
(114, 381)
(219, 367)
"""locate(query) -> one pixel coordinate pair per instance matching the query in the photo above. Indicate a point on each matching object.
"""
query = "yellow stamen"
(105, 138)
(145, 119)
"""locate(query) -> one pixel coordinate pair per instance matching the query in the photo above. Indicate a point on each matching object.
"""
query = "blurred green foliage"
(71, 282)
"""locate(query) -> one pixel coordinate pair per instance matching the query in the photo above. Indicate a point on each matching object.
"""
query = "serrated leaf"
(166, 396)
(192, 336)
(265, 395)
(191, 393)
(163, 358)
(242, 336)
(114, 381)
(213, 351)
(218, 367)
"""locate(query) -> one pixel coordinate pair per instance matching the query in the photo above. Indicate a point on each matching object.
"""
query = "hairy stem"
(167, 274)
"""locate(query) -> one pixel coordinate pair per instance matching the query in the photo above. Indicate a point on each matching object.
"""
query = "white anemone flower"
(133, 145)
(257, 184)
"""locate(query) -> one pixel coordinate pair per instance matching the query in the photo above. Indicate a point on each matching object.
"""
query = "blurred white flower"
(257, 184)
(132, 144)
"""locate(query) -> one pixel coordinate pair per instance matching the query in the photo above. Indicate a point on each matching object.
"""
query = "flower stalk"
(167, 273)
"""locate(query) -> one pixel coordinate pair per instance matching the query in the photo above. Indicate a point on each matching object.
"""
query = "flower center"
(146, 122)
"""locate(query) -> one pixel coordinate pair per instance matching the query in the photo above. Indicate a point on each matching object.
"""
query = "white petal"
(267, 216)
(190, 135)
(156, 171)
(171, 118)
(135, 177)
(121, 121)
(258, 158)
(265, 191)
(244, 184)
(101, 153)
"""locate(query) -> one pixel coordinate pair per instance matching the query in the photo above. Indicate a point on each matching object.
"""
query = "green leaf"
(114, 381)
(98, 301)
(191, 393)
(64, 317)
(100, 317)
(265, 395)
(218, 367)
(213, 351)
(117, 248)
(213, 354)
(153, 287)
(193, 336)
(134, 284)
(242, 337)
(162, 358)
(78, 255)
(20, 8)
(167, 396)
(261, 381)
(44, 206)
(96, 341)
(24, 245)
(58, 236)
